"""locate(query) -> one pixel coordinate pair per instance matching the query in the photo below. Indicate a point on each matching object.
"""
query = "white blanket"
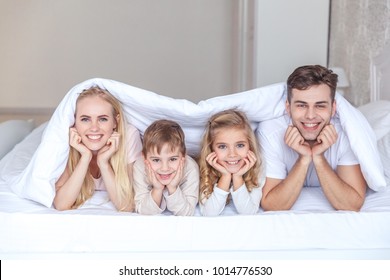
(36, 179)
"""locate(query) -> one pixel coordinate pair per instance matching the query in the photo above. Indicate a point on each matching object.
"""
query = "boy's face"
(311, 110)
(165, 164)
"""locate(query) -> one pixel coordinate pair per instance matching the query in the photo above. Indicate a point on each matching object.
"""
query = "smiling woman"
(98, 143)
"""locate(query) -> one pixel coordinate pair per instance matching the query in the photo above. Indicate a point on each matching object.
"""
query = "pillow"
(384, 150)
(377, 114)
(12, 132)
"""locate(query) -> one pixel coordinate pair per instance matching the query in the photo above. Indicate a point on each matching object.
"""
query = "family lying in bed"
(306, 147)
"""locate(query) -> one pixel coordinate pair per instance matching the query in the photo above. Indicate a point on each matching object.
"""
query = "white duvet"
(34, 179)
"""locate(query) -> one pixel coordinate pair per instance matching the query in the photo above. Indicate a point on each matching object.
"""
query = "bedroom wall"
(289, 34)
(359, 31)
(178, 48)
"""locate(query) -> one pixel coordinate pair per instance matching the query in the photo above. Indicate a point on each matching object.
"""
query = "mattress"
(29, 228)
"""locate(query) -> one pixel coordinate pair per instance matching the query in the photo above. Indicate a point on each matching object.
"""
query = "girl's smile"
(231, 147)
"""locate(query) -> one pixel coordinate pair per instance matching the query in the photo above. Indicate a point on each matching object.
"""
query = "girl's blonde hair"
(226, 119)
(118, 160)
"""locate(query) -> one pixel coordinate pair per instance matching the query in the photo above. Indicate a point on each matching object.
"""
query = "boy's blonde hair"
(163, 132)
(226, 119)
(117, 161)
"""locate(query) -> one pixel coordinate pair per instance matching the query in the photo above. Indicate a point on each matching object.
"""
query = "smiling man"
(308, 148)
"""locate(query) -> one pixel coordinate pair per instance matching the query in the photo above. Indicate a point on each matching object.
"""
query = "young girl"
(165, 178)
(103, 148)
(230, 163)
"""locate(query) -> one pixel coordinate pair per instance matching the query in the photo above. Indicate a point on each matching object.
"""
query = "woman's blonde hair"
(231, 118)
(118, 160)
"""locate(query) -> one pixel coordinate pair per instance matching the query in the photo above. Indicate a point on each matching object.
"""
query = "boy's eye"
(174, 159)
(155, 160)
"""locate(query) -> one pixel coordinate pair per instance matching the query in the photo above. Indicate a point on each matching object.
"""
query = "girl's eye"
(241, 145)
(221, 146)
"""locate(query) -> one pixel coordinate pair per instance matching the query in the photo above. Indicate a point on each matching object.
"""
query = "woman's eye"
(84, 119)
(103, 119)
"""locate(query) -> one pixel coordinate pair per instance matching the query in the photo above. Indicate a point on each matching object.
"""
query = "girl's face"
(231, 147)
(165, 164)
(94, 121)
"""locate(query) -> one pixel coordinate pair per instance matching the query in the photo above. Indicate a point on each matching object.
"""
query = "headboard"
(380, 75)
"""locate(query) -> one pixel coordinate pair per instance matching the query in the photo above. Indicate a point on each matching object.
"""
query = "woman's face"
(94, 121)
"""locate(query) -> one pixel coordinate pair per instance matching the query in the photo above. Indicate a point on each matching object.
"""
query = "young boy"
(165, 178)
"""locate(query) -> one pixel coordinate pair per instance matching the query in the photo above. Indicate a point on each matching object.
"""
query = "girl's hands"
(213, 161)
(250, 161)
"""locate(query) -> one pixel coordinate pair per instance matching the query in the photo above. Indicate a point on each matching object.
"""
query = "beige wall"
(192, 49)
(178, 48)
(289, 34)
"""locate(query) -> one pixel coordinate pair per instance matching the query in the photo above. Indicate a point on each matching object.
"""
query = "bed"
(31, 228)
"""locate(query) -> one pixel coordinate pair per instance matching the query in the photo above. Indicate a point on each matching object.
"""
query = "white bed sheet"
(30, 229)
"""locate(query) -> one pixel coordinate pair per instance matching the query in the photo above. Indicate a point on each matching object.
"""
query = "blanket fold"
(141, 107)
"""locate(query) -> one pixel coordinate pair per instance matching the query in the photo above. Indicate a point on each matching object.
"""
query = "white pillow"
(384, 150)
(12, 132)
(378, 115)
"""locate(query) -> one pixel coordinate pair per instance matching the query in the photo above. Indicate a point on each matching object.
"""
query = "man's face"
(311, 110)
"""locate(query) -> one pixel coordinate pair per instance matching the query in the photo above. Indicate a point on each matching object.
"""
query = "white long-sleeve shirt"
(245, 202)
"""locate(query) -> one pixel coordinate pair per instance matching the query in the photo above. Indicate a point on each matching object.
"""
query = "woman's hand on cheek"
(112, 146)
(76, 143)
